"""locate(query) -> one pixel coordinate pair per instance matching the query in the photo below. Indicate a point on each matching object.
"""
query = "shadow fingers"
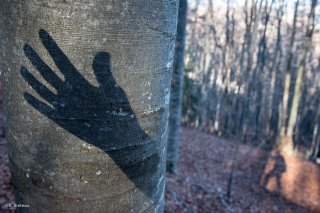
(41, 89)
(59, 58)
(42, 67)
(40, 106)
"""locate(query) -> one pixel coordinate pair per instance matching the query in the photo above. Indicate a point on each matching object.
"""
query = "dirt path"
(204, 170)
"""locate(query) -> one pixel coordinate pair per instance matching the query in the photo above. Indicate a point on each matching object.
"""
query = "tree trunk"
(249, 72)
(176, 91)
(287, 76)
(82, 137)
(259, 73)
(276, 75)
(301, 69)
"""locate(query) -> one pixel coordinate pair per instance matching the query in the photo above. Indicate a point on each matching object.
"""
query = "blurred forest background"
(253, 71)
(251, 82)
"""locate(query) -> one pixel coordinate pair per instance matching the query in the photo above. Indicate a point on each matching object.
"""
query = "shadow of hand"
(100, 115)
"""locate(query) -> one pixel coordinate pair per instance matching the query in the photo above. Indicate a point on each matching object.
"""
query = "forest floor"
(205, 165)
(200, 184)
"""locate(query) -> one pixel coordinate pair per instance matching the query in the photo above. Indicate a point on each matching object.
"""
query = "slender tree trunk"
(315, 146)
(257, 80)
(240, 106)
(82, 137)
(301, 69)
(287, 77)
(277, 76)
(249, 73)
(194, 45)
(315, 138)
(228, 99)
(222, 92)
(205, 82)
(176, 91)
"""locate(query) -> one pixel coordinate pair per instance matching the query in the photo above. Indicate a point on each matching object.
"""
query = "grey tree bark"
(256, 8)
(259, 72)
(177, 91)
(287, 76)
(276, 75)
(301, 70)
(87, 89)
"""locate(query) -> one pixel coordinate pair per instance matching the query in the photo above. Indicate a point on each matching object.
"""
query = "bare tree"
(277, 76)
(176, 91)
(287, 78)
(300, 72)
